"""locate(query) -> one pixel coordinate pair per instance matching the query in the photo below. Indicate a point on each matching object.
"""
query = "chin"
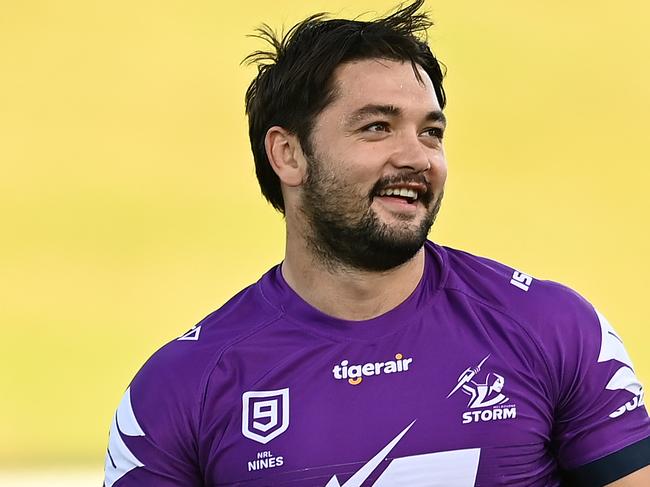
(401, 222)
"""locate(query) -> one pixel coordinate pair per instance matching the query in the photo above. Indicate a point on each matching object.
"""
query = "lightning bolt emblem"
(467, 376)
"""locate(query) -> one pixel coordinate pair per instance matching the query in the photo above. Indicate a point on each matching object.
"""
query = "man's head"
(346, 126)
(497, 385)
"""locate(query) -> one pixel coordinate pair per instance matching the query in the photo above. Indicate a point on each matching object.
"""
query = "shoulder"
(597, 399)
(561, 331)
(175, 376)
(154, 434)
(544, 308)
(183, 363)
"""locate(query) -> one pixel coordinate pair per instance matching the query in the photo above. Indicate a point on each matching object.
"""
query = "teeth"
(404, 192)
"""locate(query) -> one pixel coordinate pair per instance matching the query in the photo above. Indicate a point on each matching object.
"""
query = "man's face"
(376, 168)
(498, 383)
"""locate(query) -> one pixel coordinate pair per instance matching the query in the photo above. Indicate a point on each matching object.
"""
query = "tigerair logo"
(354, 374)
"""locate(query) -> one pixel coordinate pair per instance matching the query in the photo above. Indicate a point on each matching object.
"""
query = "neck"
(348, 293)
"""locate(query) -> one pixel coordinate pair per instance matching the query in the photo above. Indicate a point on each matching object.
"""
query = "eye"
(376, 127)
(435, 132)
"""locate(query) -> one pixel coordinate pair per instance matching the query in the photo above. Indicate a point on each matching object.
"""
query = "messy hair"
(294, 82)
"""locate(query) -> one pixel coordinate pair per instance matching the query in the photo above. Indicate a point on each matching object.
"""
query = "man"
(343, 365)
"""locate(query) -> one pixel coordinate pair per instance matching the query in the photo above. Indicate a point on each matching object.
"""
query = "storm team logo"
(265, 414)
(486, 397)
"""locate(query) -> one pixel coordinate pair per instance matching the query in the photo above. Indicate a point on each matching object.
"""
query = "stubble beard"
(345, 232)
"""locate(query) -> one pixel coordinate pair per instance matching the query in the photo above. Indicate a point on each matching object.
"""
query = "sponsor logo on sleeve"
(265, 414)
(487, 401)
(521, 280)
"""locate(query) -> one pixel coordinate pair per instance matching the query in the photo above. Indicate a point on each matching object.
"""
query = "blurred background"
(130, 209)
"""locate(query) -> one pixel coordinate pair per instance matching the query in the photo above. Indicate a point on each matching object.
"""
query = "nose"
(411, 153)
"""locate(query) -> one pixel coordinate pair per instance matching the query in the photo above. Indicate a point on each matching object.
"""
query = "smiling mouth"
(404, 193)
(408, 195)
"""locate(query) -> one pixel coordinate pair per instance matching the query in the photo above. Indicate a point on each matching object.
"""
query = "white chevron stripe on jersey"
(624, 378)
(119, 459)
(456, 468)
(611, 346)
(364, 472)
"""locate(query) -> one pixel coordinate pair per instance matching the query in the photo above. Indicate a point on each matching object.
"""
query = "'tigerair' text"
(355, 373)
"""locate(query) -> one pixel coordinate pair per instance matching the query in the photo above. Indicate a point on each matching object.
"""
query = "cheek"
(439, 169)
(347, 176)
(360, 167)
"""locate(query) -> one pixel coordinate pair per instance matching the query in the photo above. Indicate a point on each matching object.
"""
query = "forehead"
(382, 81)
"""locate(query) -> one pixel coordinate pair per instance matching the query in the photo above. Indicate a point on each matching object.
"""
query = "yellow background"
(130, 208)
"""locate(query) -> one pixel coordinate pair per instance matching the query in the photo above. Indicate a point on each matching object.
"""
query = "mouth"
(407, 195)
(403, 195)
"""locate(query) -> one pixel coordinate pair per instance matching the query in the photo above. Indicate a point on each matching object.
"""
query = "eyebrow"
(391, 111)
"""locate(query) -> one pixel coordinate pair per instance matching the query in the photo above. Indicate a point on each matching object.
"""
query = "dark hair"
(294, 80)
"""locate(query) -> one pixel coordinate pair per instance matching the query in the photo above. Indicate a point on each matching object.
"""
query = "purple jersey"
(483, 376)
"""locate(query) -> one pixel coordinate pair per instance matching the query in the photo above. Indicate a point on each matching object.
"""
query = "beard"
(345, 231)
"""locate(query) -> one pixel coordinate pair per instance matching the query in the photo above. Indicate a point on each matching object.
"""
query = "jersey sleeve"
(152, 435)
(601, 424)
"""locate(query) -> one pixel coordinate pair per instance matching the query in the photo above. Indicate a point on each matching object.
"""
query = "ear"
(285, 155)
